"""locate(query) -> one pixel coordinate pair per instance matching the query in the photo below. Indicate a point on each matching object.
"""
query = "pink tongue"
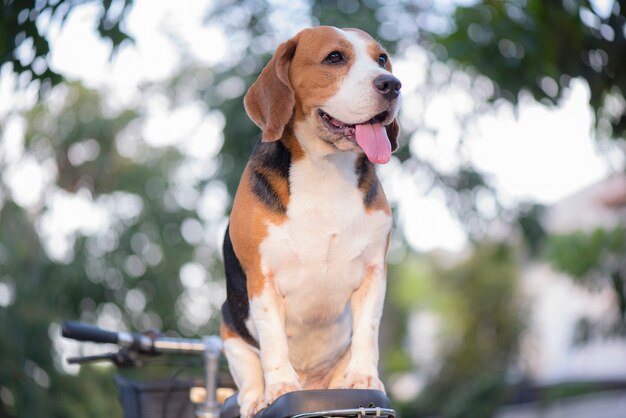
(372, 138)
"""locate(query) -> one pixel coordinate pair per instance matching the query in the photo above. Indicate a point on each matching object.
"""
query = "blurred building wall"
(557, 303)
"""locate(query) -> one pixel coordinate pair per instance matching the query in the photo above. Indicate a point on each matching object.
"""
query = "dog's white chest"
(318, 257)
(329, 237)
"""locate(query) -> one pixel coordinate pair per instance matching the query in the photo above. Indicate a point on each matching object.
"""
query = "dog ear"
(270, 100)
(393, 131)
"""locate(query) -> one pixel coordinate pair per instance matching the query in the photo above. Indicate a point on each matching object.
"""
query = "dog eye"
(382, 60)
(334, 57)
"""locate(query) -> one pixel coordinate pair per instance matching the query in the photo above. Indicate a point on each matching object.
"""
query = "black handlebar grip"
(85, 332)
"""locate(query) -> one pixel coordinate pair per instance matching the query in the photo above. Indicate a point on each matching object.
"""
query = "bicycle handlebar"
(84, 332)
(140, 342)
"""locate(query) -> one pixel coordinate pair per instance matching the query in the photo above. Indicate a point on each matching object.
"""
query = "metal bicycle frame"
(210, 408)
(357, 412)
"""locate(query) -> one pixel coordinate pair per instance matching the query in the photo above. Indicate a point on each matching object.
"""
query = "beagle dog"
(305, 249)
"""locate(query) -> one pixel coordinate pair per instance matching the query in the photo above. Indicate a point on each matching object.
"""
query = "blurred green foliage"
(540, 46)
(24, 26)
(481, 317)
(596, 260)
(580, 254)
(127, 275)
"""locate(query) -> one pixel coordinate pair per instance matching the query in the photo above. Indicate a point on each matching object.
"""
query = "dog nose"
(388, 85)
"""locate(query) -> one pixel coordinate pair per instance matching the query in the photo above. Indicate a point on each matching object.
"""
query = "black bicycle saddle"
(308, 401)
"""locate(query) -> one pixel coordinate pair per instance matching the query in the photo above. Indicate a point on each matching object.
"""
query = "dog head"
(335, 86)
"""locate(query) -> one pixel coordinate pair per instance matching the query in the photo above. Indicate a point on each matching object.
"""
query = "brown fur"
(248, 228)
(313, 85)
(269, 101)
(227, 333)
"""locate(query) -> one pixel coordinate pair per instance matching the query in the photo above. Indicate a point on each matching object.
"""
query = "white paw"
(251, 404)
(273, 391)
(356, 380)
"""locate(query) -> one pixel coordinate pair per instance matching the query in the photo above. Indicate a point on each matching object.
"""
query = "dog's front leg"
(268, 313)
(367, 308)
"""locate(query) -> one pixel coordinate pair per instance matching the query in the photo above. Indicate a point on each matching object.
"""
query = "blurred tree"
(484, 325)
(143, 262)
(480, 322)
(23, 33)
(539, 46)
(596, 260)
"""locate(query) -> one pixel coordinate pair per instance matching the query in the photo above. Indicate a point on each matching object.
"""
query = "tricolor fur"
(305, 249)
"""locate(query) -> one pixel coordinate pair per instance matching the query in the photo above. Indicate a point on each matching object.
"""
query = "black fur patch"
(236, 309)
(266, 193)
(368, 182)
(272, 155)
(371, 193)
(363, 168)
(269, 157)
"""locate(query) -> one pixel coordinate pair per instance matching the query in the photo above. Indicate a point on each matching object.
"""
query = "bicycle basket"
(155, 399)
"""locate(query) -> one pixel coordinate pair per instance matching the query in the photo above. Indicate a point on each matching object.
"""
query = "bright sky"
(543, 154)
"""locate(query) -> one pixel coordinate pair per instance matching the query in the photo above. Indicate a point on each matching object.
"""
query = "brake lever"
(122, 359)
